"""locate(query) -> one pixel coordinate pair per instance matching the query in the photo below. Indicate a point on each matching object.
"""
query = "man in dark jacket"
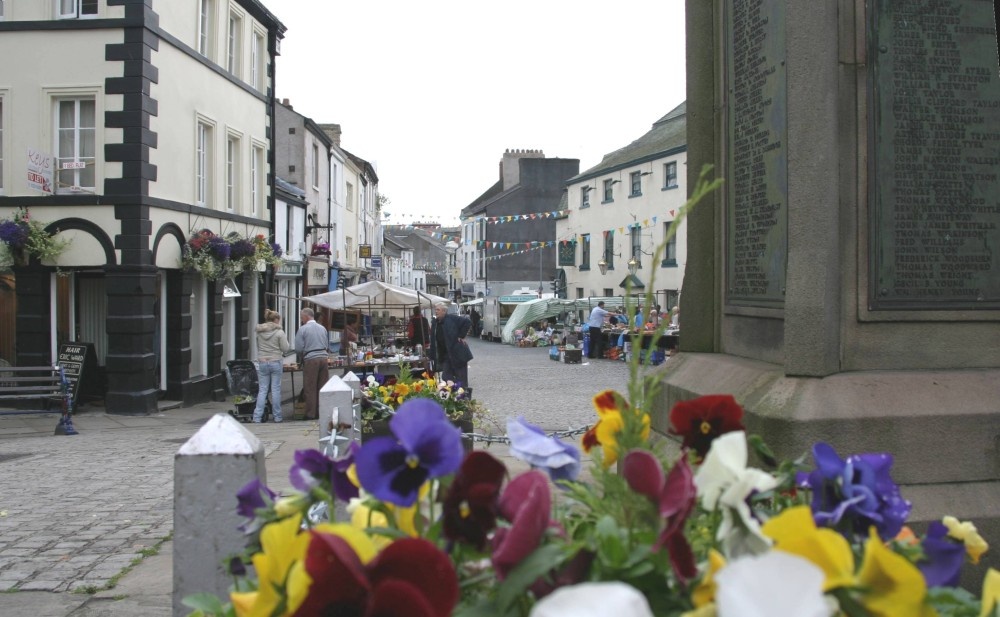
(448, 350)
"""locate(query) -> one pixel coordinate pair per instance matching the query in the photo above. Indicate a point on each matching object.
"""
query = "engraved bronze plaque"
(757, 112)
(935, 155)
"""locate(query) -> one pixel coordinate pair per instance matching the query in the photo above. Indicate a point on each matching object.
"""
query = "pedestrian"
(597, 317)
(418, 330)
(474, 316)
(311, 343)
(448, 349)
(272, 345)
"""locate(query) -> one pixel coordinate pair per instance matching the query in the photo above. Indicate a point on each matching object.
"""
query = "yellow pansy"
(991, 593)
(402, 390)
(795, 532)
(892, 584)
(610, 406)
(281, 573)
(357, 539)
(966, 533)
(704, 593)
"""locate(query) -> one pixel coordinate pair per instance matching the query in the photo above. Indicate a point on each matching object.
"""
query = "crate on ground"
(573, 356)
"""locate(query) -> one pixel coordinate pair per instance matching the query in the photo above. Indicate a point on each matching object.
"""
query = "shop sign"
(365, 251)
(289, 269)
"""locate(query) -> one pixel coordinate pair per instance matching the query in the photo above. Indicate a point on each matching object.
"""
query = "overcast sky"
(433, 92)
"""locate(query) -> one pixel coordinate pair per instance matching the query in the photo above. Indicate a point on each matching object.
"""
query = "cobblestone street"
(77, 511)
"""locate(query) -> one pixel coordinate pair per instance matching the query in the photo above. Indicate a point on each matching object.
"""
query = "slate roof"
(667, 133)
(435, 279)
(479, 204)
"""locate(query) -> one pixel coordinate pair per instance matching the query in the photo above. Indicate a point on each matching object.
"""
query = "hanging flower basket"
(219, 257)
(24, 238)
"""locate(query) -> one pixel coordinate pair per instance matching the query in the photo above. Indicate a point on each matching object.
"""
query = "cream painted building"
(154, 118)
(620, 210)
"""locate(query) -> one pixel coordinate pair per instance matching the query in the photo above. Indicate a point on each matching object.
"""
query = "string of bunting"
(646, 224)
(512, 218)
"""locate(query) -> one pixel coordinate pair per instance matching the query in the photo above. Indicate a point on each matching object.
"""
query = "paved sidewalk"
(83, 518)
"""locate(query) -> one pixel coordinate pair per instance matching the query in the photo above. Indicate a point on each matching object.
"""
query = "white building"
(620, 210)
(155, 117)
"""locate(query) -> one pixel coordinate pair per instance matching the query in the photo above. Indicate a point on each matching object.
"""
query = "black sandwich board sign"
(79, 361)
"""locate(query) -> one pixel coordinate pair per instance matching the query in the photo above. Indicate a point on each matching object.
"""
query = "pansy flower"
(725, 482)
(530, 444)
(943, 557)
(699, 421)
(774, 583)
(966, 532)
(283, 582)
(853, 493)
(526, 503)
(674, 497)
(471, 506)
(253, 500)
(409, 578)
(426, 445)
(611, 408)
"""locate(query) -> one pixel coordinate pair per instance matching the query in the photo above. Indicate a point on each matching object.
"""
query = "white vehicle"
(496, 311)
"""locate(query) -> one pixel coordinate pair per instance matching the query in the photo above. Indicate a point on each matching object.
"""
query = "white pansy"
(593, 600)
(725, 482)
(775, 584)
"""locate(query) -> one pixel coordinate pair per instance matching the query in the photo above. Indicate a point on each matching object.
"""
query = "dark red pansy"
(527, 504)
(699, 421)
(471, 505)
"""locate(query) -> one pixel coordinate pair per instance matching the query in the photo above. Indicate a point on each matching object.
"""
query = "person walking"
(418, 330)
(272, 345)
(476, 319)
(448, 349)
(311, 343)
(597, 317)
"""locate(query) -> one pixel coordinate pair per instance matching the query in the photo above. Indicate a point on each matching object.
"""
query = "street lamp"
(603, 266)
(633, 265)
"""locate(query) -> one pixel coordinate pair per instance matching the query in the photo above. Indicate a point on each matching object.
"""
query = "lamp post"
(603, 266)
(633, 265)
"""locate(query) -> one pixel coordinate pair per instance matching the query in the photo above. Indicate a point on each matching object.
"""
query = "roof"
(635, 282)
(668, 133)
(435, 279)
(479, 203)
(362, 164)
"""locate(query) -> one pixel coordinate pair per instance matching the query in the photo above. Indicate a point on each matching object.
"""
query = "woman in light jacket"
(272, 345)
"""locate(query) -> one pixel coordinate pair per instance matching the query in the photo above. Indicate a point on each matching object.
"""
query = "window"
(315, 166)
(349, 198)
(258, 60)
(1, 124)
(74, 9)
(203, 164)
(669, 251)
(232, 173)
(257, 180)
(609, 190)
(635, 237)
(206, 25)
(567, 253)
(585, 252)
(584, 196)
(1, 9)
(579, 292)
(609, 249)
(608, 292)
(670, 175)
(349, 249)
(234, 44)
(636, 182)
(75, 145)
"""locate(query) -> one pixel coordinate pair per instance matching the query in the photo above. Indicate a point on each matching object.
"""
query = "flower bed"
(435, 531)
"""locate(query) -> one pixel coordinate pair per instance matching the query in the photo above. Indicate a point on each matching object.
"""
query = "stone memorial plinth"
(844, 285)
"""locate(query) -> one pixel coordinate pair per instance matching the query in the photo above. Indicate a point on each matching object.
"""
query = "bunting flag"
(513, 218)
(522, 252)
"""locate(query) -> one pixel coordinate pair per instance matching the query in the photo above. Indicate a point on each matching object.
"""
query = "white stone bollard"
(355, 382)
(337, 395)
(209, 469)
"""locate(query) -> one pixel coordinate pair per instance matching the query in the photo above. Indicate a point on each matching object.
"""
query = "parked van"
(496, 311)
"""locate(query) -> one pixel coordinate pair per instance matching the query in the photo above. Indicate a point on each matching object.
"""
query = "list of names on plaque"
(936, 232)
(757, 215)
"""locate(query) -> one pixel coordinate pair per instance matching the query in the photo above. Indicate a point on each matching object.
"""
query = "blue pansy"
(426, 445)
(530, 444)
(854, 493)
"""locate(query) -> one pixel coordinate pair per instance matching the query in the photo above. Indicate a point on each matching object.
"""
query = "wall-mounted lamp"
(633, 264)
(602, 265)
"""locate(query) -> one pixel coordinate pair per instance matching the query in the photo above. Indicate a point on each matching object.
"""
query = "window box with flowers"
(25, 238)
(219, 257)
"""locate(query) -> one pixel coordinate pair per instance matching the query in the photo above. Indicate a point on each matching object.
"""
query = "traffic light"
(555, 286)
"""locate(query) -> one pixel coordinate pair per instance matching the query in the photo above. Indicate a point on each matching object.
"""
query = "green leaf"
(207, 603)
(539, 563)
(953, 602)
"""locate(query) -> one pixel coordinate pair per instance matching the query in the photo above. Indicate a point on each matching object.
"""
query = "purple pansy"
(312, 468)
(250, 499)
(943, 557)
(530, 444)
(854, 493)
(426, 445)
